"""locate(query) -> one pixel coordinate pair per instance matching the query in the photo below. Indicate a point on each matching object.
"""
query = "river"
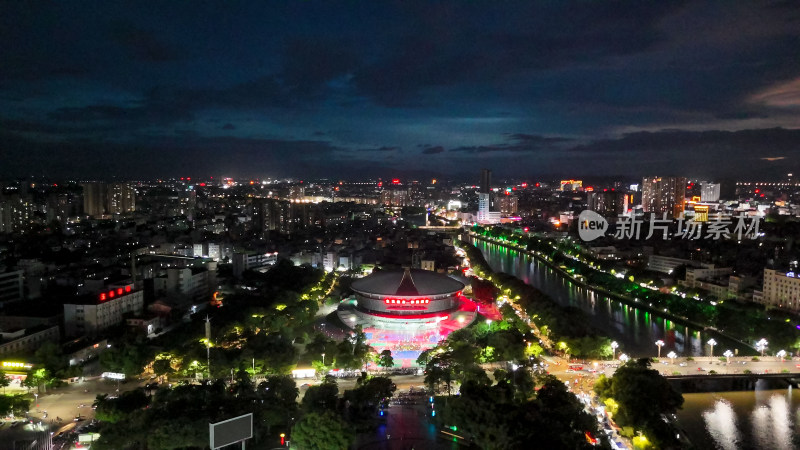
(760, 419)
(635, 330)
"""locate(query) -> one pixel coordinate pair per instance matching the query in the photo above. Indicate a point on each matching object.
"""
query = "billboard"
(230, 431)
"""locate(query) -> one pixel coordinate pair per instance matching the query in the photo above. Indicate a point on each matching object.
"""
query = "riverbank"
(632, 302)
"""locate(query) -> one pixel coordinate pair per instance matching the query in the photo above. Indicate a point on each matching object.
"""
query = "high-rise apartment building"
(609, 203)
(508, 204)
(120, 198)
(664, 195)
(94, 198)
(709, 192)
(101, 198)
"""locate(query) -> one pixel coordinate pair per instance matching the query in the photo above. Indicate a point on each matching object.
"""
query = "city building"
(667, 264)
(664, 195)
(91, 314)
(101, 199)
(781, 290)
(571, 185)
(609, 203)
(94, 198)
(120, 198)
(251, 261)
(508, 204)
(11, 287)
(709, 192)
(27, 340)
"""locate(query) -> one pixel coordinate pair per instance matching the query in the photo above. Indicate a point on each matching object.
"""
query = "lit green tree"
(321, 431)
(385, 359)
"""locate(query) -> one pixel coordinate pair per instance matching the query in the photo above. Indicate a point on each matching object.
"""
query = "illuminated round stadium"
(407, 311)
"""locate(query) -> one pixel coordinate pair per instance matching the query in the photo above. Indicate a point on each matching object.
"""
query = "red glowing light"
(110, 294)
(537, 184)
(103, 297)
(128, 288)
(395, 181)
(202, 184)
(524, 185)
(380, 183)
(182, 178)
(119, 291)
(758, 190)
(526, 229)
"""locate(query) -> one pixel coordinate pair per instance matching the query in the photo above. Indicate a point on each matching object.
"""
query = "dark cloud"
(381, 149)
(309, 63)
(519, 143)
(720, 144)
(454, 43)
(143, 45)
(380, 77)
(433, 150)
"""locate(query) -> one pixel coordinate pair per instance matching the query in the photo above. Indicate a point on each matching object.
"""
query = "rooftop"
(408, 283)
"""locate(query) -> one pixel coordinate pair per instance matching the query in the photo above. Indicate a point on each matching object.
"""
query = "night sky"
(358, 89)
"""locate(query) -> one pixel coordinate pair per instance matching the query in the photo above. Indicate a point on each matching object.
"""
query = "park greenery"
(506, 415)
(567, 327)
(264, 330)
(458, 358)
(640, 398)
(745, 321)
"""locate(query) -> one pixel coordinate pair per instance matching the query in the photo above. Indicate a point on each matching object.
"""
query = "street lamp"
(712, 343)
(624, 358)
(672, 356)
(323, 359)
(781, 354)
(762, 345)
(659, 344)
(728, 355)
(614, 347)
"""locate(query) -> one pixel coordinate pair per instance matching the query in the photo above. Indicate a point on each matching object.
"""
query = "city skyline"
(311, 90)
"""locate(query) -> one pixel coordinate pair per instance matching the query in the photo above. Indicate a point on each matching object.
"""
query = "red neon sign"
(410, 301)
(110, 294)
(103, 297)
(128, 288)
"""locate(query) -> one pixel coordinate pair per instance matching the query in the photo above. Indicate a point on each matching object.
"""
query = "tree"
(323, 397)
(4, 381)
(16, 404)
(644, 398)
(322, 431)
(385, 360)
(162, 367)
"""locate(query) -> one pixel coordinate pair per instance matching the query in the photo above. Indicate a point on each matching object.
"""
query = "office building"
(664, 195)
(91, 314)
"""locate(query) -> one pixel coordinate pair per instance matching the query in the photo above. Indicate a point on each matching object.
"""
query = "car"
(683, 364)
(702, 369)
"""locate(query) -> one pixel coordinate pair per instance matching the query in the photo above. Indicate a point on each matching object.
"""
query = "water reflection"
(742, 420)
(721, 425)
(636, 330)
